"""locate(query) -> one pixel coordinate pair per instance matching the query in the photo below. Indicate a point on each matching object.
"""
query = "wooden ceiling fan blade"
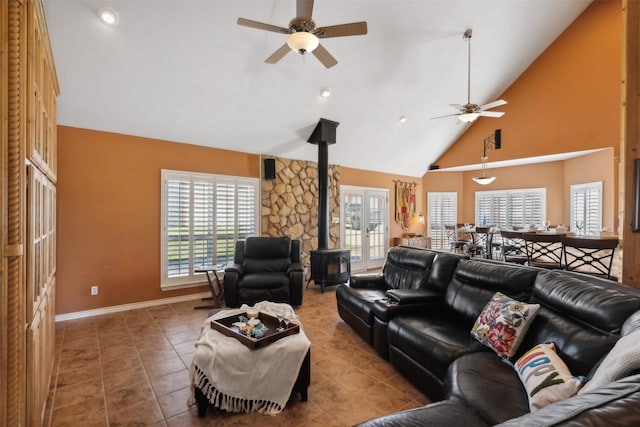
(342, 30)
(493, 104)
(324, 56)
(278, 54)
(304, 8)
(263, 26)
(491, 113)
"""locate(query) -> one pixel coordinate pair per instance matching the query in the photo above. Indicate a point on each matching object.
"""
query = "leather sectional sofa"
(419, 313)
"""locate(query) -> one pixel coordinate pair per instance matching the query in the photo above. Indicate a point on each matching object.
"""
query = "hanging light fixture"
(496, 140)
(302, 42)
(483, 179)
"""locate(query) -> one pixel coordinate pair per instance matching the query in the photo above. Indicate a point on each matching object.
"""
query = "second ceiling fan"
(469, 112)
(303, 34)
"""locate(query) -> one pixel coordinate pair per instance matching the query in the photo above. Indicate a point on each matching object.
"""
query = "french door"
(364, 226)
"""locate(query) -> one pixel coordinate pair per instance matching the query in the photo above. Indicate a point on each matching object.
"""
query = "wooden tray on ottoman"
(225, 326)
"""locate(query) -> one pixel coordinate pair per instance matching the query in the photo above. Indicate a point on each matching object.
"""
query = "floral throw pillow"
(545, 376)
(502, 324)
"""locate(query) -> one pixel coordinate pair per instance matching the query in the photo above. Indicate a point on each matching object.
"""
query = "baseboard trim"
(127, 307)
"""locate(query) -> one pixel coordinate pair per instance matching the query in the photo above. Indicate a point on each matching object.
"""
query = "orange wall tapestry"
(405, 202)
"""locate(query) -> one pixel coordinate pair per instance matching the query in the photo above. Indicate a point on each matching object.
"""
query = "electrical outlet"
(94, 290)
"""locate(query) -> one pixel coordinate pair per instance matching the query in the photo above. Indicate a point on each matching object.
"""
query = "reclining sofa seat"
(423, 345)
(584, 316)
(404, 268)
(265, 268)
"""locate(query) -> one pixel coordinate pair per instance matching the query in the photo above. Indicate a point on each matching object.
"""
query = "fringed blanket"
(237, 379)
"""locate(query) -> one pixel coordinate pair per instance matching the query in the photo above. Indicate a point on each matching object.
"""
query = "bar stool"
(590, 256)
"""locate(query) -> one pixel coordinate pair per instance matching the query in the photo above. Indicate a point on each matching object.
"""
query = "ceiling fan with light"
(304, 36)
(469, 112)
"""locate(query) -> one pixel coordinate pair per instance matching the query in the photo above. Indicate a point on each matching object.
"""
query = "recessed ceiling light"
(325, 92)
(403, 119)
(108, 16)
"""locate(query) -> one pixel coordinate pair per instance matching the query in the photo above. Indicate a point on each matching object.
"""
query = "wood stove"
(328, 266)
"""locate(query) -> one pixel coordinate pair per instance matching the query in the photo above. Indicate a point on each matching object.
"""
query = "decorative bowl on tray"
(225, 326)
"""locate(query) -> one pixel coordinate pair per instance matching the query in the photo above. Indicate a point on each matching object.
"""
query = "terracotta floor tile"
(127, 362)
(159, 367)
(129, 395)
(175, 402)
(141, 412)
(88, 412)
(123, 378)
(140, 361)
(166, 384)
(80, 374)
(77, 393)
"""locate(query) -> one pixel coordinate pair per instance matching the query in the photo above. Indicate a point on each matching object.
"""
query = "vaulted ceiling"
(184, 71)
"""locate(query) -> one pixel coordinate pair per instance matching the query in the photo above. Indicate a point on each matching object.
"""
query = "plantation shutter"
(203, 215)
(177, 227)
(202, 230)
(586, 207)
(510, 208)
(225, 222)
(442, 210)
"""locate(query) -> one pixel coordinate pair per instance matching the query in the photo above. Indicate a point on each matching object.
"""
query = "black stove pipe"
(323, 135)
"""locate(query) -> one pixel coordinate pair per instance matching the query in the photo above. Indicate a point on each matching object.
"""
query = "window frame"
(192, 279)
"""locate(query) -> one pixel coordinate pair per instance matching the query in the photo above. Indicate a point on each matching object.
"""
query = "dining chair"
(513, 247)
(456, 239)
(543, 250)
(589, 255)
(480, 244)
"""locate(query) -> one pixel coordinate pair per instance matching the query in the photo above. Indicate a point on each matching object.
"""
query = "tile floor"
(131, 368)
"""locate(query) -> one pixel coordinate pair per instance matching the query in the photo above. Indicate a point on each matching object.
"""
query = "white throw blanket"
(238, 379)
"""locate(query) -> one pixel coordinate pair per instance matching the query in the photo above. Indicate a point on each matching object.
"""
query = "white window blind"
(442, 209)
(202, 217)
(511, 208)
(586, 207)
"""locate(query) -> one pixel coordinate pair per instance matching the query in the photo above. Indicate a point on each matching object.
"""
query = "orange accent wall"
(568, 100)
(365, 178)
(109, 213)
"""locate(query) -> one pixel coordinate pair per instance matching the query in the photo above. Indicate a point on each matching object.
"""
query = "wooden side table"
(215, 295)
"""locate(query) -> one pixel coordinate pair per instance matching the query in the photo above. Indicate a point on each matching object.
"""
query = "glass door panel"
(365, 226)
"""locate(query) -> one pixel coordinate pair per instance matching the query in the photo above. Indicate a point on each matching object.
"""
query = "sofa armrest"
(296, 266)
(413, 296)
(368, 281)
(619, 401)
(385, 309)
(234, 268)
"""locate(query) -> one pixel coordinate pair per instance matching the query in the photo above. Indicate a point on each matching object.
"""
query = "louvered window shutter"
(442, 210)
(203, 215)
(511, 208)
(586, 207)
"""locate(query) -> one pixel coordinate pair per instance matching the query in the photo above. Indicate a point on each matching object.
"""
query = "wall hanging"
(405, 202)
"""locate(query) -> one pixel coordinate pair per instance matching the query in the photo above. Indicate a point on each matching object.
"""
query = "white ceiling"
(184, 71)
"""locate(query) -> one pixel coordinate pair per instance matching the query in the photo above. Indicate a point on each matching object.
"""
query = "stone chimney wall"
(290, 205)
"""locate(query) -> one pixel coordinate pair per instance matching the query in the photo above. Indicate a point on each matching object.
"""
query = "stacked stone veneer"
(290, 205)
